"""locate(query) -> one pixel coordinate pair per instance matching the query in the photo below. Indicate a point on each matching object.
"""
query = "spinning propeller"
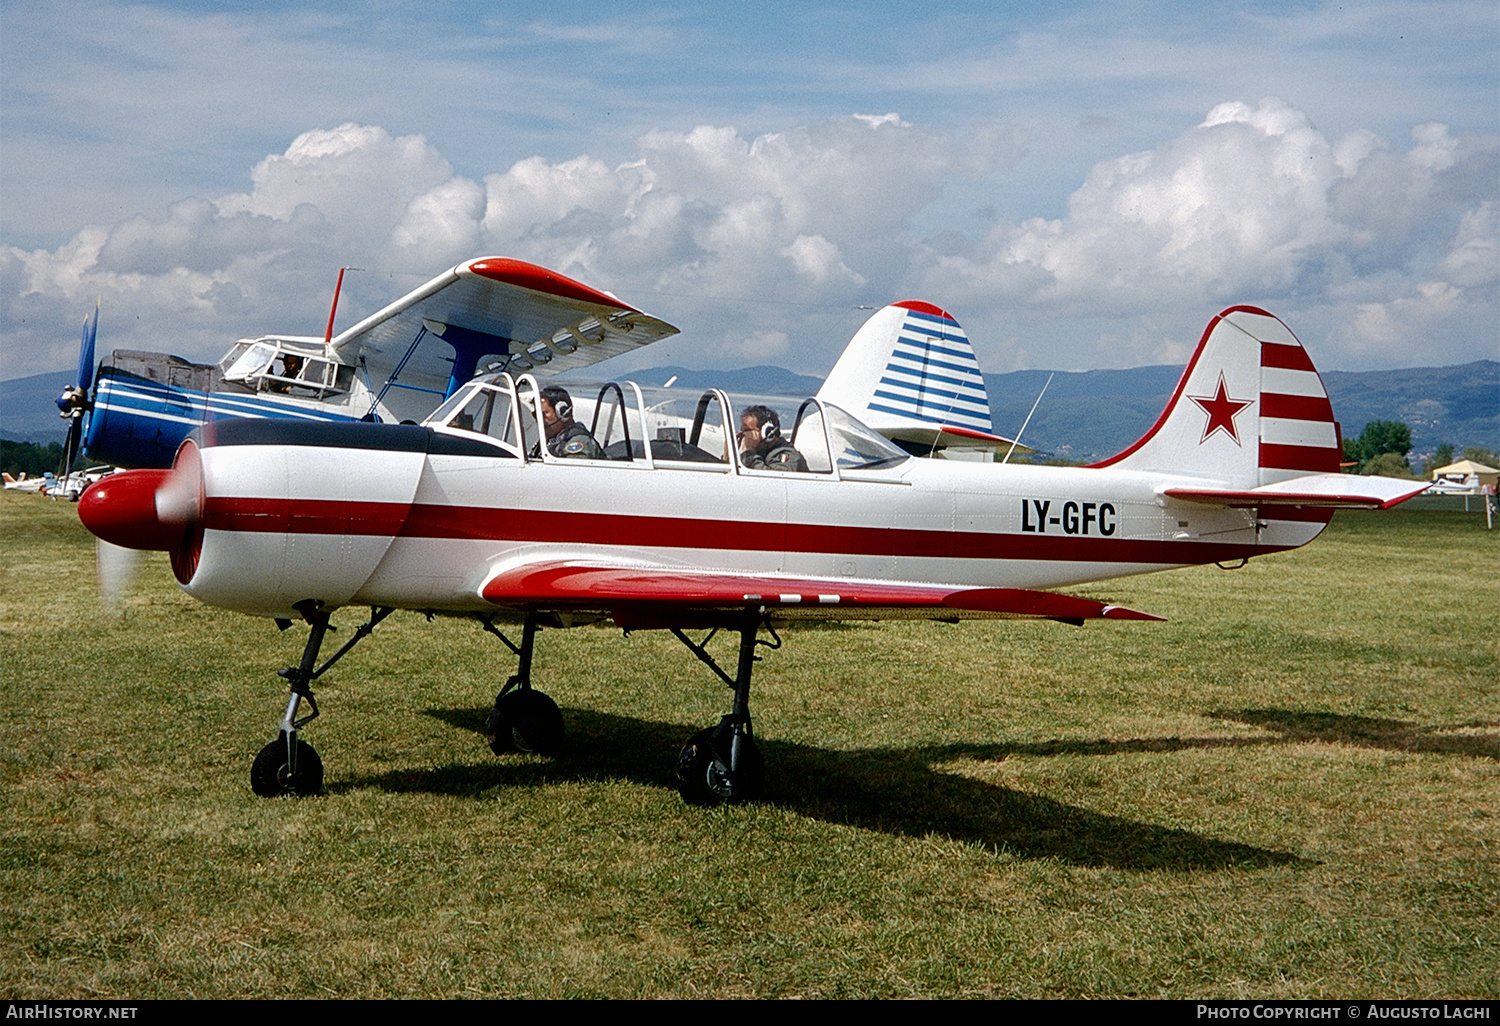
(146, 510)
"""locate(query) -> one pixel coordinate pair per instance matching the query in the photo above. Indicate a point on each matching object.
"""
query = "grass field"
(1291, 789)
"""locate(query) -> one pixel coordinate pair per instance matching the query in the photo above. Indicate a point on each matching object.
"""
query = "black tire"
(525, 720)
(703, 779)
(496, 728)
(269, 777)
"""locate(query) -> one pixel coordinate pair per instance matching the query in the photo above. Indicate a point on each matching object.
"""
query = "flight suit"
(781, 456)
(575, 441)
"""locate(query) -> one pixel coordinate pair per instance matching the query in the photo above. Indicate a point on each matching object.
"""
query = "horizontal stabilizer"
(951, 436)
(1317, 491)
(662, 591)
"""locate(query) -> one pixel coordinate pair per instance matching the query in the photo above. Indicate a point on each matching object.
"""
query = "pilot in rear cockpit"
(762, 445)
(291, 367)
(566, 437)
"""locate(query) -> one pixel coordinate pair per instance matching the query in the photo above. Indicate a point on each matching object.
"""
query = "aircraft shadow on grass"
(897, 791)
(1292, 726)
(1297, 727)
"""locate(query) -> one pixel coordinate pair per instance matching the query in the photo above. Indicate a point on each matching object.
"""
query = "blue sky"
(1082, 185)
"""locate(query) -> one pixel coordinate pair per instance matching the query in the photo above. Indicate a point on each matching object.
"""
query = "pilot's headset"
(559, 400)
(770, 424)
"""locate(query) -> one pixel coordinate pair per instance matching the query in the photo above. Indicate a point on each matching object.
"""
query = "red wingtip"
(539, 279)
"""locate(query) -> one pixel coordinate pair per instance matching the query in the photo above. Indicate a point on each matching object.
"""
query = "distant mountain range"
(1094, 414)
(1084, 416)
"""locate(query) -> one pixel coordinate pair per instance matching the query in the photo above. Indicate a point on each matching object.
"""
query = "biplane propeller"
(75, 401)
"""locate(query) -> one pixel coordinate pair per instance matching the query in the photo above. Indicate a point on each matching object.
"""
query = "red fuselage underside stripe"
(308, 516)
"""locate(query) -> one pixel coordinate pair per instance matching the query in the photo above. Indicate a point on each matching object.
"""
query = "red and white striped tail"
(1298, 434)
(1250, 410)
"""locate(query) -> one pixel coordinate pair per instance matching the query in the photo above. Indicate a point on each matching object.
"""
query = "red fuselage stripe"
(304, 516)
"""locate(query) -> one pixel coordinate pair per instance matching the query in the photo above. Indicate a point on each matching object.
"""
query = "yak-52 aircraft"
(472, 515)
(395, 365)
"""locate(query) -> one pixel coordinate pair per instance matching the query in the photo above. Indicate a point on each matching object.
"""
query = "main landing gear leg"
(290, 765)
(723, 763)
(523, 718)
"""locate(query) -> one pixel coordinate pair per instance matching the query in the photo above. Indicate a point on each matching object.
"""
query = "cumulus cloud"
(810, 215)
(1371, 243)
(1255, 204)
(1252, 200)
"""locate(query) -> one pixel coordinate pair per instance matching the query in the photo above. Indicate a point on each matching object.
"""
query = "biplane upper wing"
(493, 310)
(641, 595)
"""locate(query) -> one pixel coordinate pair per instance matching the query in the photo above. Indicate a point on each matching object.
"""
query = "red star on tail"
(1221, 412)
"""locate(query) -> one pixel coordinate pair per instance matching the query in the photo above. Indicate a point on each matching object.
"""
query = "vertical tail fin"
(1250, 409)
(911, 374)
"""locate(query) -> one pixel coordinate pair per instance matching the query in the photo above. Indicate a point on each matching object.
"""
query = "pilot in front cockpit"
(762, 445)
(565, 436)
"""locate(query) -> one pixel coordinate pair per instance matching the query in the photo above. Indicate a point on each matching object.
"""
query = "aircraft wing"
(660, 596)
(494, 310)
(1320, 491)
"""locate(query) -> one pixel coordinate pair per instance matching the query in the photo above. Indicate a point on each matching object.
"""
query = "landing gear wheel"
(525, 720)
(270, 776)
(704, 776)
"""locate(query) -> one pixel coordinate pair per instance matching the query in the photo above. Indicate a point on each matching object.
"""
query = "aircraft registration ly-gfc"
(1074, 517)
(519, 502)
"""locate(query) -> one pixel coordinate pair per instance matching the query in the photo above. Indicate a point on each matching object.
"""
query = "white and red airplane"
(470, 515)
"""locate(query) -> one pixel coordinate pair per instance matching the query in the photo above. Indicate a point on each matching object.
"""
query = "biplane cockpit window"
(245, 359)
(662, 427)
(293, 367)
(616, 424)
(527, 392)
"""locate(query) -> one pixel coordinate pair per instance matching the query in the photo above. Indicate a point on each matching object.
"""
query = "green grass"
(1291, 789)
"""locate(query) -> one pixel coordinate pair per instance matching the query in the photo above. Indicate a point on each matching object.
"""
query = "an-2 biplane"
(469, 515)
(395, 365)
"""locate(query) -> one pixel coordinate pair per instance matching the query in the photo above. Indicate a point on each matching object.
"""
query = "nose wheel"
(286, 768)
(289, 765)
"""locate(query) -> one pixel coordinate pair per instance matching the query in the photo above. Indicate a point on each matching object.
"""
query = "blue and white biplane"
(490, 314)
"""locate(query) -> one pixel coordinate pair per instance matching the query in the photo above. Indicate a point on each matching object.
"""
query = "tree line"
(1382, 446)
(17, 458)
